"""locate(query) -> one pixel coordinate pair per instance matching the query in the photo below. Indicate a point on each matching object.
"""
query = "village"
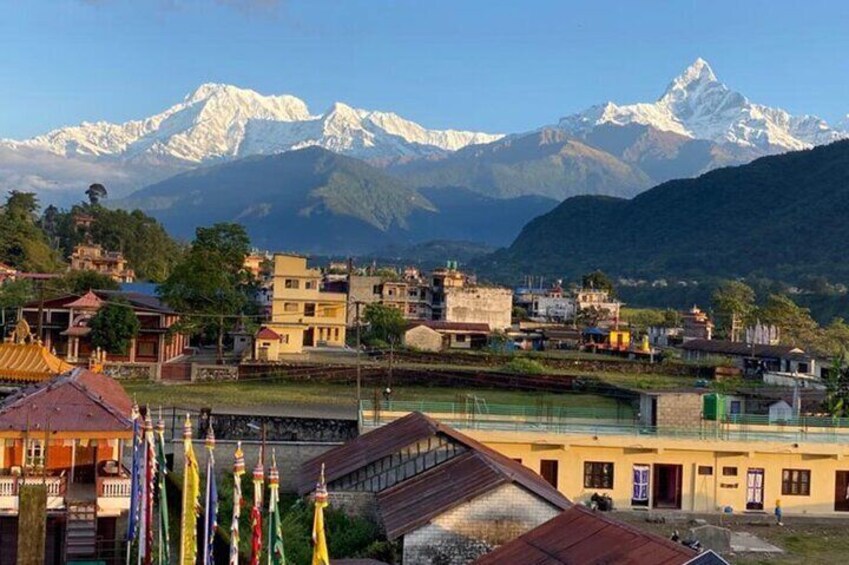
(462, 422)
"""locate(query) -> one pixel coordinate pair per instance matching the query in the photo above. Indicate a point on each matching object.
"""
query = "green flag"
(164, 553)
(276, 555)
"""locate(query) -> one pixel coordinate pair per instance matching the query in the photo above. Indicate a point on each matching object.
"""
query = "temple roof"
(29, 362)
(87, 300)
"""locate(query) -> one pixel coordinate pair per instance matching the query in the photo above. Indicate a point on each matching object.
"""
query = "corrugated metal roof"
(416, 501)
(414, 427)
(29, 362)
(78, 401)
(581, 536)
(724, 347)
(443, 326)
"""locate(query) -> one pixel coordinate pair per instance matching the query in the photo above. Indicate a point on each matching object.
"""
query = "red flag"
(256, 512)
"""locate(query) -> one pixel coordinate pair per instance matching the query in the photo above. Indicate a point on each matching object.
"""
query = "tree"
(23, 244)
(734, 303)
(80, 282)
(599, 281)
(797, 326)
(21, 205)
(96, 192)
(385, 323)
(114, 327)
(209, 285)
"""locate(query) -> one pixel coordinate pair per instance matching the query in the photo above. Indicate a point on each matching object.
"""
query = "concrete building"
(302, 315)
(599, 300)
(430, 335)
(696, 325)
(448, 498)
(88, 257)
(754, 359)
(681, 463)
(478, 305)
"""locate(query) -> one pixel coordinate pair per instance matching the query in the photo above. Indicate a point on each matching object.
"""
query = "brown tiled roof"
(87, 300)
(77, 401)
(267, 333)
(440, 325)
(414, 427)
(723, 347)
(414, 502)
(581, 536)
(29, 362)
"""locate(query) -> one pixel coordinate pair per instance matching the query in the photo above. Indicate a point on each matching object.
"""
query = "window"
(802, 368)
(309, 310)
(729, 471)
(598, 475)
(375, 289)
(290, 307)
(796, 482)
(310, 285)
(640, 494)
(461, 338)
(146, 349)
(736, 407)
(705, 470)
(284, 338)
(548, 469)
(35, 454)
(292, 283)
(336, 334)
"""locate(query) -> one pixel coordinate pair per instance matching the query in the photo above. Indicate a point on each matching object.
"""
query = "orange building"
(110, 263)
(67, 433)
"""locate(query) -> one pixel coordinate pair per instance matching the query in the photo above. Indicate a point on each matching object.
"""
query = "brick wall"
(679, 410)
(476, 527)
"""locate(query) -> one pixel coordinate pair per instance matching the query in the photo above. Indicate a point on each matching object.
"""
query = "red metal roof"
(77, 401)
(580, 536)
(87, 300)
(267, 333)
(414, 427)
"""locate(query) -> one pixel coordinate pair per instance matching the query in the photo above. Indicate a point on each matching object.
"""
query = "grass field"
(270, 393)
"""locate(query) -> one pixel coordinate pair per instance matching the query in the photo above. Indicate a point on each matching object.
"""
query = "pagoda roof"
(29, 362)
(87, 300)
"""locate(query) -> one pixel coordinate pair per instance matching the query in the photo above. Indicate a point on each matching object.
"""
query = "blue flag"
(211, 517)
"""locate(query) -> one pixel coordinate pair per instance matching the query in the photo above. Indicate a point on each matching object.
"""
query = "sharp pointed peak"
(699, 71)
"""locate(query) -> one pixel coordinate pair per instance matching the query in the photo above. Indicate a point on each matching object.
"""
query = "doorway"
(666, 486)
(755, 489)
(309, 337)
(841, 491)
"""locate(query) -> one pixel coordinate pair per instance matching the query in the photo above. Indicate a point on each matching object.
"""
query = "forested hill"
(781, 217)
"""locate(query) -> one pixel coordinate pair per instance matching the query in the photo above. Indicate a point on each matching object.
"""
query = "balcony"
(10, 487)
(112, 493)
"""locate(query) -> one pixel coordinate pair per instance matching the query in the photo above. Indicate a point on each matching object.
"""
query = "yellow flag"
(320, 555)
(191, 493)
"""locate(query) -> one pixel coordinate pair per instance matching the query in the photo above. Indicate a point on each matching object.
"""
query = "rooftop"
(723, 347)
(29, 362)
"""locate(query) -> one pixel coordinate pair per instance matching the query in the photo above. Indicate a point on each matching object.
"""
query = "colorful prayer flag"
(276, 555)
(256, 512)
(320, 555)
(146, 523)
(135, 481)
(211, 501)
(238, 471)
(191, 492)
(164, 552)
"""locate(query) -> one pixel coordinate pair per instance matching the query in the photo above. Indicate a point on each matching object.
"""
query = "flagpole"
(208, 534)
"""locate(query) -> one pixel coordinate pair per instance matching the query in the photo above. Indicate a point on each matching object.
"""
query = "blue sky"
(486, 65)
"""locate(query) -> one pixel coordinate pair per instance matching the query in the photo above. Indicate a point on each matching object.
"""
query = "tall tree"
(734, 303)
(114, 326)
(795, 323)
(385, 323)
(96, 192)
(210, 285)
(599, 281)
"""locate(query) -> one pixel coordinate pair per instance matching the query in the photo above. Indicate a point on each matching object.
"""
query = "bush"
(523, 366)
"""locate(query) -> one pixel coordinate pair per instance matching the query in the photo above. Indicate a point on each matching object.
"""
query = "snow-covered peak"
(697, 105)
(221, 121)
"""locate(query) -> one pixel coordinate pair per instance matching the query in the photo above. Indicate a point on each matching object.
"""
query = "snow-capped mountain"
(697, 105)
(215, 122)
(222, 121)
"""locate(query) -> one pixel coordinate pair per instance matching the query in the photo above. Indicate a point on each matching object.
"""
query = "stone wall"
(214, 372)
(480, 305)
(679, 410)
(468, 531)
(144, 371)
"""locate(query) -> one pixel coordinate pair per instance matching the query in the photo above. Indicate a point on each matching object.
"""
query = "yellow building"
(706, 468)
(301, 314)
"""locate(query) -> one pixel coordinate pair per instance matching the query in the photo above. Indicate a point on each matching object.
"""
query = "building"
(302, 314)
(579, 535)
(754, 359)
(448, 498)
(24, 360)
(478, 305)
(67, 433)
(671, 459)
(429, 335)
(255, 264)
(599, 301)
(88, 257)
(441, 280)
(65, 331)
(696, 325)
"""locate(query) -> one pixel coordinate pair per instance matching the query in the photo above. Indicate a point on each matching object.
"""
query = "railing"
(10, 486)
(801, 422)
(471, 409)
(114, 487)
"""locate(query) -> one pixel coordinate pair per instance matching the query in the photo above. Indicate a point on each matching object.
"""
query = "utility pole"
(359, 346)
(39, 326)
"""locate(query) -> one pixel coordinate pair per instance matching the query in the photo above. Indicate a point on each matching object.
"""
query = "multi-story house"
(302, 314)
(67, 434)
(64, 326)
(599, 300)
(87, 257)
